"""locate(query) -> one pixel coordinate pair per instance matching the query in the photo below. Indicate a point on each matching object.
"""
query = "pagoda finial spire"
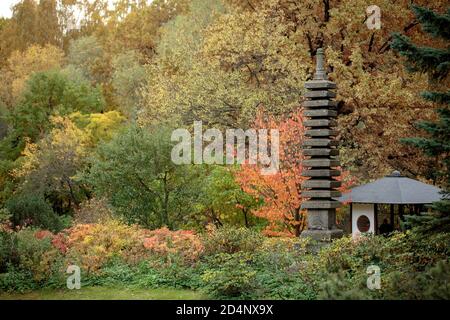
(320, 74)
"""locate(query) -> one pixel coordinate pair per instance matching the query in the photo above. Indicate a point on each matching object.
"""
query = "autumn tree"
(87, 55)
(280, 193)
(50, 166)
(198, 79)
(135, 25)
(261, 52)
(181, 87)
(32, 23)
(46, 94)
(21, 65)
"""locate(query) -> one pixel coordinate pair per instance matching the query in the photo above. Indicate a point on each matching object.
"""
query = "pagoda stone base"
(321, 219)
(322, 225)
(322, 235)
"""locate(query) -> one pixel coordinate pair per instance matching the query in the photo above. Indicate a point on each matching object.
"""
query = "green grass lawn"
(104, 293)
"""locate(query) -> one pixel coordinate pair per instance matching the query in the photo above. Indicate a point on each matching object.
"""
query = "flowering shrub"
(59, 241)
(91, 245)
(166, 243)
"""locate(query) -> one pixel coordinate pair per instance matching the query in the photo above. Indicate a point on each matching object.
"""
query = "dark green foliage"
(8, 250)
(436, 221)
(113, 273)
(433, 23)
(436, 144)
(439, 135)
(16, 280)
(146, 274)
(179, 275)
(26, 264)
(423, 59)
(280, 273)
(433, 283)
(433, 61)
(230, 276)
(411, 267)
(33, 208)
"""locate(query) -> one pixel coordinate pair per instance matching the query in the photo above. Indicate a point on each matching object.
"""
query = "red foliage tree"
(281, 192)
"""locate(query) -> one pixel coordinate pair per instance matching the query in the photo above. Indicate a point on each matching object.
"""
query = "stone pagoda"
(320, 148)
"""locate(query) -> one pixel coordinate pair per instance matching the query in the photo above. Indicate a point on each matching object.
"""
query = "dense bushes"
(407, 263)
(28, 259)
(91, 246)
(134, 171)
(225, 262)
(232, 263)
(8, 250)
(231, 275)
(231, 240)
(26, 209)
(168, 245)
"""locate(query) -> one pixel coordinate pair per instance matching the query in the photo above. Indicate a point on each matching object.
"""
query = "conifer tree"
(436, 63)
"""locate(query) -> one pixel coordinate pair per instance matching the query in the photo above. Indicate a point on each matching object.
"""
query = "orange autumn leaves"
(165, 242)
(91, 246)
(281, 192)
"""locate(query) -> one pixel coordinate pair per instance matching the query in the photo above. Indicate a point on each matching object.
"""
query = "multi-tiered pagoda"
(320, 147)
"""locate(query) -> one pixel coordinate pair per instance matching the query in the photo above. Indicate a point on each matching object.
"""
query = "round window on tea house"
(363, 223)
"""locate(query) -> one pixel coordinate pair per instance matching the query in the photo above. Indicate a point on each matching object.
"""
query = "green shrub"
(178, 275)
(33, 209)
(284, 285)
(340, 286)
(230, 240)
(156, 272)
(29, 261)
(280, 275)
(17, 280)
(411, 267)
(147, 276)
(8, 250)
(433, 283)
(114, 273)
(230, 276)
(36, 255)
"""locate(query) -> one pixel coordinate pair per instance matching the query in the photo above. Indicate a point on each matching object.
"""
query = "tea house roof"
(393, 189)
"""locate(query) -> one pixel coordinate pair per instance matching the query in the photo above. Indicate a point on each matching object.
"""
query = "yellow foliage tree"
(21, 65)
(51, 166)
(259, 53)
